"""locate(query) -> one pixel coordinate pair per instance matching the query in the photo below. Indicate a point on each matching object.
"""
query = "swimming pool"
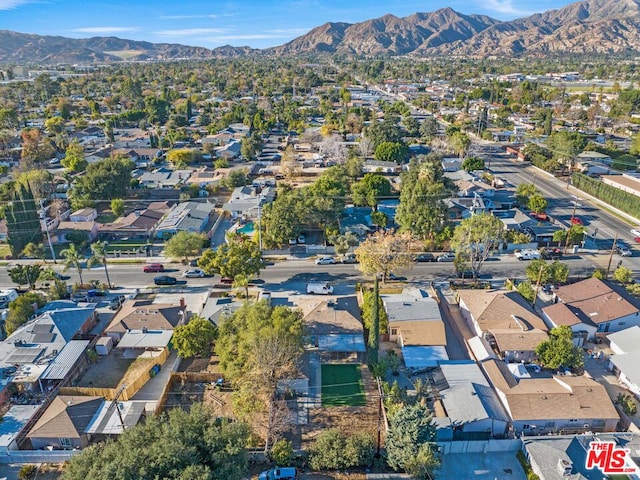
(246, 229)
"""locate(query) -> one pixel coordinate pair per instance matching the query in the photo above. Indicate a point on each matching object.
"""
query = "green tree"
(21, 309)
(460, 143)
(282, 452)
(104, 180)
(380, 219)
(473, 163)
(623, 275)
(384, 252)
(524, 191)
(238, 256)
(537, 203)
(99, 257)
(559, 350)
(411, 441)
(184, 245)
(258, 346)
(475, 238)
(180, 445)
(74, 160)
(23, 223)
(282, 218)
(333, 450)
(73, 259)
(250, 146)
(33, 250)
(429, 128)
(181, 157)
(391, 152)
(370, 189)
(553, 272)
(194, 338)
(235, 178)
(117, 206)
(25, 274)
(526, 290)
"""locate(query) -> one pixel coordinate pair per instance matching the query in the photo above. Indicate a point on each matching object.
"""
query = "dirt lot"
(106, 372)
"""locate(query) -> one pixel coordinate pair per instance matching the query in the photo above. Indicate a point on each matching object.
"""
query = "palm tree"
(99, 257)
(72, 259)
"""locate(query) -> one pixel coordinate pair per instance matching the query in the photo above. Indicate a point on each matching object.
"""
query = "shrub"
(333, 450)
(282, 452)
(27, 472)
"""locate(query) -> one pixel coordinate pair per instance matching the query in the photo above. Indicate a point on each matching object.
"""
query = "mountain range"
(590, 26)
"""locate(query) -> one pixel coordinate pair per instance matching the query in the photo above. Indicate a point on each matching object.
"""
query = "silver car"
(447, 257)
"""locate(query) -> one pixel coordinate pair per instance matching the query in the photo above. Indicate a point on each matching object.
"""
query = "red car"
(540, 216)
(153, 267)
(637, 239)
(576, 221)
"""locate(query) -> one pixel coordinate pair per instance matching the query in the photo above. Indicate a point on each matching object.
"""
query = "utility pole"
(613, 249)
(535, 292)
(43, 216)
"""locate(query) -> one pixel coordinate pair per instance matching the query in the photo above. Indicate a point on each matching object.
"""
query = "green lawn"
(342, 386)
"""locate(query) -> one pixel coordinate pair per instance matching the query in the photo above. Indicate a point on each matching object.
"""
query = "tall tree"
(74, 160)
(184, 245)
(104, 180)
(99, 257)
(73, 259)
(383, 253)
(560, 350)
(25, 274)
(374, 333)
(238, 256)
(370, 189)
(194, 338)
(23, 224)
(476, 237)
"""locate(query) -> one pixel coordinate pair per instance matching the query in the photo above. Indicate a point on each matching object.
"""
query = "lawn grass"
(5, 251)
(342, 386)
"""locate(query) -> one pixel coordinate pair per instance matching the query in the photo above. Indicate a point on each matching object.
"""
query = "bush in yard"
(627, 404)
(333, 450)
(27, 472)
(282, 452)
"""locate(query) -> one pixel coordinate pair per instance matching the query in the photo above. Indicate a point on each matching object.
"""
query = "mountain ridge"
(588, 26)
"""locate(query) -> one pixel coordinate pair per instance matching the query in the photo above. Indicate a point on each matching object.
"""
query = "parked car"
(153, 268)
(623, 251)
(425, 257)
(447, 257)
(637, 239)
(194, 262)
(319, 288)
(194, 273)
(635, 232)
(280, 473)
(325, 260)
(576, 221)
(540, 216)
(79, 297)
(226, 280)
(527, 254)
(165, 280)
(464, 273)
(551, 253)
(302, 239)
(349, 258)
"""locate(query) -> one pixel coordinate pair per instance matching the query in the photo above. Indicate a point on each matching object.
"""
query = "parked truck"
(527, 254)
(319, 288)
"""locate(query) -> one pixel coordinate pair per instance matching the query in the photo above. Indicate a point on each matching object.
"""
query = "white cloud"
(11, 4)
(189, 32)
(105, 30)
(504, 7)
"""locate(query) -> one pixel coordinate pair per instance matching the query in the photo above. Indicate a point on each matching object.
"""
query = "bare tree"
(383, 253)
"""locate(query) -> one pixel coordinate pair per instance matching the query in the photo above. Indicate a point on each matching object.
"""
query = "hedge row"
(615, 197)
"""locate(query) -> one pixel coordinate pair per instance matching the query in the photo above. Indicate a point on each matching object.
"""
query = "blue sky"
(212, 23)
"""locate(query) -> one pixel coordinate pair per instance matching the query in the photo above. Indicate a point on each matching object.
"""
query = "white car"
(624, 251)
(325, 261)
(302, 239)
(446, 257)
(528, 254)
(635, 232)
(194, 273)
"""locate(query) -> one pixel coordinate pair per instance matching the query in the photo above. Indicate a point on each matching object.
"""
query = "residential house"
(84, 215)
(334, 327)
(229, 151)
(593, 156)
(565, 457)
(541, 233)
(164, 178)
(552, 405)
(205, 177)
(505, 320)
(35, 346)
(144, 314)
(131, 138)
(13, 423)
(248, 200)
(599, 306)
(191, 217)
(138, 224)
(65, 229)
(141, 156)
(625, 182)
(415, 323)
(465, 207)
(216, 308)
(624, 364)
(65, 423)
(514, 219)
(451, 164)
(469, 403)
(377, 166)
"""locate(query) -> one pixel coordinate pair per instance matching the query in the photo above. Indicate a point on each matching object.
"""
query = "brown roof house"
(138, 224)
(592, 306)
(139, 315)
(505, 320)
(554, 404)
(334, 328)
(65, 423)
(415, 323)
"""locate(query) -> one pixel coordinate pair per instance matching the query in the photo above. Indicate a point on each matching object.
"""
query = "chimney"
(183, 305)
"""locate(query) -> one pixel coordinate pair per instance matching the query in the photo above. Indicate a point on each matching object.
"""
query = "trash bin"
(575, 248)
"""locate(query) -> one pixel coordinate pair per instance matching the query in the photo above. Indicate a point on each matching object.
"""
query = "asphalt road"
(293, 275)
